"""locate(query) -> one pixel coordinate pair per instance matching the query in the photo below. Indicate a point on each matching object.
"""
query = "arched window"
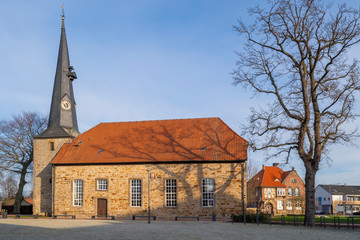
(290, 192)
(297, 192)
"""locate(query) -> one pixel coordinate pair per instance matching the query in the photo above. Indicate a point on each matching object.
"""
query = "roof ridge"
(157, 120)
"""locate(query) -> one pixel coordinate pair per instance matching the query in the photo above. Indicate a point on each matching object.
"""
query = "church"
(179, 167)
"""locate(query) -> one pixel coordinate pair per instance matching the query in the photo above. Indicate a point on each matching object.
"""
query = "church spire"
(62, 119)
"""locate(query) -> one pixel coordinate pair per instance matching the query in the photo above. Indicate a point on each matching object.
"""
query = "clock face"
(66, 105)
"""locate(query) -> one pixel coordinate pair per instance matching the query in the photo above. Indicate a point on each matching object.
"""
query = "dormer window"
(277, 180)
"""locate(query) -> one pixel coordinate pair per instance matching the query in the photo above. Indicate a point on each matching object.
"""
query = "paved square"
(107, 229)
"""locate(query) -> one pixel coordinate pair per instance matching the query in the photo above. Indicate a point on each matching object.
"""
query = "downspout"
(243, 190)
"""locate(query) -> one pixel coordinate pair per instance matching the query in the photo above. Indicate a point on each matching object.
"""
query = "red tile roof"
(269, 175)
(29, 200)
(189, 140)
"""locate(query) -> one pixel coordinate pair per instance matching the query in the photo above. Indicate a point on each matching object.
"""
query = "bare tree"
(251, 169)
(9, 187)
(295, 53)
(16, 147)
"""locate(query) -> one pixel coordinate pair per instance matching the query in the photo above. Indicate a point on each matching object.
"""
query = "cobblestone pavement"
(107, 229)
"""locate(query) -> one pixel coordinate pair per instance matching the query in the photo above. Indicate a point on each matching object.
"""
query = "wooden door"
(102, 207)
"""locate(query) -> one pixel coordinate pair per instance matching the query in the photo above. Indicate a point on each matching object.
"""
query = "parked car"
(356, 213)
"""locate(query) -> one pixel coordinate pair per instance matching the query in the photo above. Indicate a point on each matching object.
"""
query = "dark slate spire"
(62, 120)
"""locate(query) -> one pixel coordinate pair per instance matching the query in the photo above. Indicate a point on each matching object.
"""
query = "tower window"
(51, 146)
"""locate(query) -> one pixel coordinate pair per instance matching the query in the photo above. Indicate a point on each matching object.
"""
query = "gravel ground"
(107, 229)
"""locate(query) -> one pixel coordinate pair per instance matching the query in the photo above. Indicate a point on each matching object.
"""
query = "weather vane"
(63, 13)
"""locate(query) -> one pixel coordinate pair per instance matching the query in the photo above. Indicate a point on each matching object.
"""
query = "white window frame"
(170, 193)
(280, 192)
(289, 205)
(135, 193)
(290, 192)
(78, 192)
(298, 205)
(297, 191)
(208, 199)
(280, 205)
(269, 192)
(102, 184)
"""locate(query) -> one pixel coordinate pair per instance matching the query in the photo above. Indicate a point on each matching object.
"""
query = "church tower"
(62, 128)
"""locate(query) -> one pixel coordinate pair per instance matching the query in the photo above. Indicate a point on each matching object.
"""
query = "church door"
(102, 207)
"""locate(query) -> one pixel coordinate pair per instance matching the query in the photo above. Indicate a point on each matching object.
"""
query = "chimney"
(263, 167)
(275, 164)
(292, 168)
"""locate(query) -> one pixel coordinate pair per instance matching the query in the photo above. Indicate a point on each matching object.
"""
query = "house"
(180, 167)
(274, 191)
(332, 198)
(26, 205)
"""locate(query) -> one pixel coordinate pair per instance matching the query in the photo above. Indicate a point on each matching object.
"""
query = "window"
(51, 146)
(208, 192)
(290, 191)
(293, 180)
(78, 192)
(280, 205)
(269, 192)
(135, 193)
(280, 192)
(350, 198)
(297, 192)
(289, 205)
(170, 193)
(298, 205)
(102, 184)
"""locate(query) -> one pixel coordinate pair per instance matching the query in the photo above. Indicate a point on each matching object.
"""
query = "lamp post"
(148, 168)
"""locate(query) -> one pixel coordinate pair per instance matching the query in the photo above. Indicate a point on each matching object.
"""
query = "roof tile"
(200, 139)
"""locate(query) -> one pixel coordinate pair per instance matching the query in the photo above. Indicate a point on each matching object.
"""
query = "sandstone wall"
(42, 173)
(189, 181)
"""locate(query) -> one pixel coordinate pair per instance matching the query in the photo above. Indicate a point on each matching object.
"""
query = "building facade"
(276, 192)
(181, 167)
(337, 199)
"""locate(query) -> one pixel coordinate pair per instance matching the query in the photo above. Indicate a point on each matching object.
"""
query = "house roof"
(179, 140)
(29, 200)
(271, 177)
(341, 189)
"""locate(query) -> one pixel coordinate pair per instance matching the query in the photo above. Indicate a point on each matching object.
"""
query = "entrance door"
(268, 208)
(102, 207)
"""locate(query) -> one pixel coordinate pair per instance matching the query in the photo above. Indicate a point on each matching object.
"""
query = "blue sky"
(138, 60)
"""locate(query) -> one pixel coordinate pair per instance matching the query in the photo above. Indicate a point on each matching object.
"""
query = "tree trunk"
(22, 182)
(310, 195)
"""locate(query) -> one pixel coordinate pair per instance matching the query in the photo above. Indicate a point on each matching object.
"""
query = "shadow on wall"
(201, 145)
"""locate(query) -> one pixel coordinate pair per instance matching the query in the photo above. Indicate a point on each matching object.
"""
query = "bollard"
(352, 221)
(213, 217)
(322, 221)
(338, 220)
(270, 222)
(283, 220)
(4, 215)
(296, 220)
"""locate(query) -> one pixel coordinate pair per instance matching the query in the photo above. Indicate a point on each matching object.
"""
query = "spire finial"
(63, 13)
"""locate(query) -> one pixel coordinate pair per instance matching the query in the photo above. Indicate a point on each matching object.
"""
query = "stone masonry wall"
(189, 177)
(42, 174)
